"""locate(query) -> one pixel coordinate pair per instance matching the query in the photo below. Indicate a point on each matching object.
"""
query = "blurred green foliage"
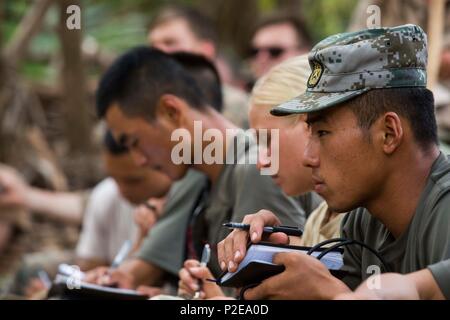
(117, 25)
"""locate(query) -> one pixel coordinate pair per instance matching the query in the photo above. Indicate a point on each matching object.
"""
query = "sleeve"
(441, 273)
(435, 237)
(434, 243)
(164, 245)
(93, 238)
(254, 192)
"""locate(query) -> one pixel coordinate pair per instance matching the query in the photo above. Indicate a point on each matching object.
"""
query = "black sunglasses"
(274, 52)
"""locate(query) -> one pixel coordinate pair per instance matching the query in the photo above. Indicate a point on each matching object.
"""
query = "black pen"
(290, 231)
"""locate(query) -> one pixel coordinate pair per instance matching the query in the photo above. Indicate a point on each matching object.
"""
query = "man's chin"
(339, 208)
(177, 174)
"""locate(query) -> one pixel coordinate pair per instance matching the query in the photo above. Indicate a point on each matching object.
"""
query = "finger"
(278, 238)
(229, 252)
(186, 278)
(221, 254)
(285, 257)
(239, 246)
(261, 219)
(184, 290)
(257, 224)
(104, 280)
(200, 273)
(257, 293)
(191, 263)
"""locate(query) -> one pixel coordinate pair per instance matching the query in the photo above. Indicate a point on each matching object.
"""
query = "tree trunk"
(293, 7)
(77, 119)
(235, 21)
(28, 27)
(436, 14)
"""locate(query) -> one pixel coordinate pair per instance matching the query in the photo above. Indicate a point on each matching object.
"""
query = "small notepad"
(258, 264)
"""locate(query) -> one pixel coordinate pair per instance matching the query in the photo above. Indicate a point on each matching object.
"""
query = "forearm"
(89, 264)
(64, 206)
(142, 272)
(426, 285)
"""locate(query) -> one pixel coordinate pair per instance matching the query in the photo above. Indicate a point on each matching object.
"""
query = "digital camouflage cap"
(346, 65)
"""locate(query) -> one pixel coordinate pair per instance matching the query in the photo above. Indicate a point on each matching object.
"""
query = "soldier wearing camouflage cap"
(373, 151)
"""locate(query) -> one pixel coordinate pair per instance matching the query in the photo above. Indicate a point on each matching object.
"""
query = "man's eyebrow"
(315, 117)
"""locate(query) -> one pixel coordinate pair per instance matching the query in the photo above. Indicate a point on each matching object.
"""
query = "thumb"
(282, 258)
(201, 272)
(279, 238)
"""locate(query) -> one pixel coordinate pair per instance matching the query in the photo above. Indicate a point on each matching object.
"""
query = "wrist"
(336, 288)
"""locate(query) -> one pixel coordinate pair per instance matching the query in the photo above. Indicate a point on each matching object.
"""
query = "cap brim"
(314, 101)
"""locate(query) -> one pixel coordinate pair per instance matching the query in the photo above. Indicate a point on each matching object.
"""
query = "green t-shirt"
(165, 244)
(441, 273)
(425, 242)
(242, 190)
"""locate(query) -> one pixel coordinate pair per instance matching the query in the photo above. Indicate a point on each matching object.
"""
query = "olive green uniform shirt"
(441, 273)
(425, 242)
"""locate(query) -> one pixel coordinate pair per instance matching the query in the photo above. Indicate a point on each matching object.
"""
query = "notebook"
(69, 284)
(258, 264)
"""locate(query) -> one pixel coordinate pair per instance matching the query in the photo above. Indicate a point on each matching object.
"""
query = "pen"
(290, 231)
(122, 254)
(43, 276)
(118, 259)
(206, 255)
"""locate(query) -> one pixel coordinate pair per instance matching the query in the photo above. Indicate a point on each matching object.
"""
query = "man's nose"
(263, 158)
(311, 154)
(139, 158)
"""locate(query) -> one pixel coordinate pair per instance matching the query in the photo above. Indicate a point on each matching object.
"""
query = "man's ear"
(171, 110)
(392, 128)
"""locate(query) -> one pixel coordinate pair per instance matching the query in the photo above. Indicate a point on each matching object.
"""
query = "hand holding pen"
(206, 255)
(109, 278)
(192, 284)
(233, 248)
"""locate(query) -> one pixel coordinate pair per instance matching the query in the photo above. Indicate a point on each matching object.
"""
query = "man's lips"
(318, 183)
(317, 180)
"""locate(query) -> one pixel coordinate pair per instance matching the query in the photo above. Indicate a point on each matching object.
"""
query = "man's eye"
(321, 133)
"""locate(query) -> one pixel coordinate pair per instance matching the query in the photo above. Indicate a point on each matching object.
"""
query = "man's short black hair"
(111, 146)
(414, 104)
(137, 79)
(201, 26)
(303, 36)
(205, 74)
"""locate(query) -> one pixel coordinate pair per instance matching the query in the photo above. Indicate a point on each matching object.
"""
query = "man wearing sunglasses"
(276, 39)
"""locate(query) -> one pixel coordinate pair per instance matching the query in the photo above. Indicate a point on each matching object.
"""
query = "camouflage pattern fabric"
(346, 65)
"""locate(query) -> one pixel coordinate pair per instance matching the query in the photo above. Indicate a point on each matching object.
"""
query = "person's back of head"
(180, 28)
(205, 74)
(137, 80)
